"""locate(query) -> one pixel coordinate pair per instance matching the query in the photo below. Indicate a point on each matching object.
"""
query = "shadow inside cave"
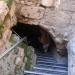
(32, 33)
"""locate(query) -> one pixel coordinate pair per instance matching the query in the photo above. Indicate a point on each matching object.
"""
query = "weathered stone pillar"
(71, 56)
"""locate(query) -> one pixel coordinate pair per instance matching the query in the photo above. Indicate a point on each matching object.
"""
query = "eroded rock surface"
(58, 20)
(3, 10)
(7, 20)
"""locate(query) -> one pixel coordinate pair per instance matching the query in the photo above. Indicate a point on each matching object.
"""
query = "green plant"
(29, 58)
(9, 2)
(1, 29)
(28, 64)
(23, 45)
(11, 39)
(28, 53)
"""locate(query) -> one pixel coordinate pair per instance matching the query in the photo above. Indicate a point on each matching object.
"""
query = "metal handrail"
(16, 33)
(10, 49)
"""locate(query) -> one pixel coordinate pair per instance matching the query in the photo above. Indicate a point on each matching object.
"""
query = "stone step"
(51, 63)
(47, 65)
(43, 54)
(45, 60)
(45, 57)
(52, 66)
(48, 61)
(38, 73)
(50, 69)
(42, 59)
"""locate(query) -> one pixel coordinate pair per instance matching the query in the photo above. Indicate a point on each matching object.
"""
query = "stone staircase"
(47, 65)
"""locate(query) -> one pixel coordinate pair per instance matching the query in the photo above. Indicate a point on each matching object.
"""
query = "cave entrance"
(44, 47)
(37, 37)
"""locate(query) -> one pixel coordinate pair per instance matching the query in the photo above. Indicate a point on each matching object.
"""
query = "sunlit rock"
(47, 3)
(3, 10)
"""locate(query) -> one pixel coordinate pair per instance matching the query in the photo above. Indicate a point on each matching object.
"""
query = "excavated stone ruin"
(42, 41)
(57, 17)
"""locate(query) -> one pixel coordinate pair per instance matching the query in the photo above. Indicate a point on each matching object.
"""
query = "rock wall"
(20, 58)
(71, 56)
(56, 16)
(7, 20)
(12, 63)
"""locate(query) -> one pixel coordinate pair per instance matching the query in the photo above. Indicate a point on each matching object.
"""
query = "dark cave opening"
(33, 33)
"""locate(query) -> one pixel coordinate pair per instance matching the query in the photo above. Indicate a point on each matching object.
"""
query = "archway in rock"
(34, 34)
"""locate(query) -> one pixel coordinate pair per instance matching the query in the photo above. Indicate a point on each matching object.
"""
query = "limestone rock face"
(3, 10)
(20, 58)
(7, 20)
(32, 12)
(58, 21)
(12, 64)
